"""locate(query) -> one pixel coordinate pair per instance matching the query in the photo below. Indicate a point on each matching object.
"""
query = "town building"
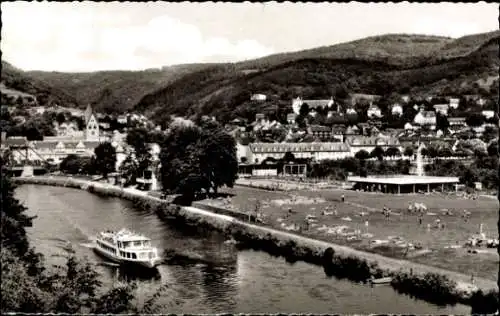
(338, 133)
(374, 111)
(488, 114)
(260, 117)
(361, 97)
(457, 121)
(290, 118)
(258, 152)
(397, 109)
(352, 130)
(323, 133)
(454, 102)
(258, 97)
(425, 118)
(122, 119)
(312, 104)
(54, 149)
(368, 143)
(350, 111)
(442, 108)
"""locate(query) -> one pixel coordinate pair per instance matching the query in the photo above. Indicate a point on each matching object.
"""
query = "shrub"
(482, 303)
(430, 287)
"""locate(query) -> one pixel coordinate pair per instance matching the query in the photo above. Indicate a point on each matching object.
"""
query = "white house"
(258, 97)
(290, 118)
(368, 143)
(259, 152)
(350, 110)
(442, 108)
(397, 109)
(454, 103)
(56, 151)
(122, 119)
(488, 114)
(374, 111)
(313, 104)
(425, 118)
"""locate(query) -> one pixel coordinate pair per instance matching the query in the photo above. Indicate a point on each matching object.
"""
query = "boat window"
(128, 254)
(134, 256)
(137, 243)
(147, 243)
(126, 244)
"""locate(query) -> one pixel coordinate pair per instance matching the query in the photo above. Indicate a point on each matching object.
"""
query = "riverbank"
(300, 247)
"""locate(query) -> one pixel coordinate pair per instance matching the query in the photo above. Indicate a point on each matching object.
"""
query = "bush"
(482, 303)
(431, 287)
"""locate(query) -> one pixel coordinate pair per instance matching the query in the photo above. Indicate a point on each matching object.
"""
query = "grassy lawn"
(431, 242)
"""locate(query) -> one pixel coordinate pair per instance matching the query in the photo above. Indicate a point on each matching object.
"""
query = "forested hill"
(383, 65)
(18, 87)
(374, 65)
(115, 91)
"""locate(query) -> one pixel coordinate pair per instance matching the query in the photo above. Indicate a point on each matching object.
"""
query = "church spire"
(88, 113)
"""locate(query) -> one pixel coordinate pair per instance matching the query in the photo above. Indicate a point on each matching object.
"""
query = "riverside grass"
(430, 287)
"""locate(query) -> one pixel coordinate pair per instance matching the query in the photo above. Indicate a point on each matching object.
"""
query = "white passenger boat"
(126, 247)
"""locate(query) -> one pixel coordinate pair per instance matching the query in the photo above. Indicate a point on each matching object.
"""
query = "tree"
(74, 164)
(32, 132)
(194, 158)
(408, 151)
(304, 110)
(442, 122)
(105, 158)
(475, 120)
(60, 118)
(288, 157)
(489, 134)
(493, 149)
(14, 221)
(432, 151)
(377, 152)
(128, 170)
(362, 155)
(27, 287)
(392, 152)
(139, 138)
(445, 152)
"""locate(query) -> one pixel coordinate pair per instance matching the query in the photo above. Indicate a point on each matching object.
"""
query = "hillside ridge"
(120, 91)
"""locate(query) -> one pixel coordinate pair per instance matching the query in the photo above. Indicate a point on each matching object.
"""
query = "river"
(222, 279)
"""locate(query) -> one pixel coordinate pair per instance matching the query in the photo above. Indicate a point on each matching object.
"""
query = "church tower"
(91, 125)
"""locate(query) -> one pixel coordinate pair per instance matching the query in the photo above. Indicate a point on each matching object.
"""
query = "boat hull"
(148, 264)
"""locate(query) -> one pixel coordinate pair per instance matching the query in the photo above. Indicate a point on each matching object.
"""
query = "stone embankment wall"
(420, 281)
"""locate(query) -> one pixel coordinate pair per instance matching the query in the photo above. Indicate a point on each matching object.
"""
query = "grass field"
(401, 224)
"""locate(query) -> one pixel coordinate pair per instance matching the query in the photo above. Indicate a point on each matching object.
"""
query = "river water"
(220, 279)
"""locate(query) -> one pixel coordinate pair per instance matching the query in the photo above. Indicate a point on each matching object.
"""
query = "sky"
(91, 36)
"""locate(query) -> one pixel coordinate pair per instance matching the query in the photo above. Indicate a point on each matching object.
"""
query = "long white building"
(258, 152)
